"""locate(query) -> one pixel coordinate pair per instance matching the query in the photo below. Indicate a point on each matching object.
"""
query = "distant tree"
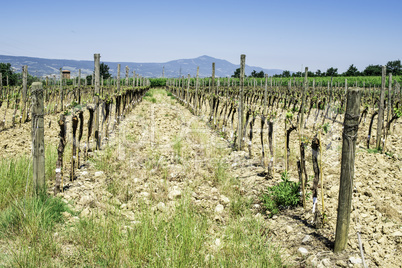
(332, 72)
(236, 73)
(372, 70)
(286, 73)
(318, 72)
(310, 74)
(394, 67)
(104, 71)
(352, 71)
(257, 75)
(297, 74)
(6, 70)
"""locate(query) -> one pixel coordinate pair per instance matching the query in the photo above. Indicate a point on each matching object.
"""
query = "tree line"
(394, 67)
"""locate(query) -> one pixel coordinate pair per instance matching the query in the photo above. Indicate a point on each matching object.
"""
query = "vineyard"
(196, 171)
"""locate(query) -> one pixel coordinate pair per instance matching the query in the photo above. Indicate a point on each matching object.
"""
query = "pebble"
(354, 260)
(174, 194)
(225, 200)
(219, 208)
(98, 173)
(144, 194)
(161, 206)
(303, 251)
(306, 239)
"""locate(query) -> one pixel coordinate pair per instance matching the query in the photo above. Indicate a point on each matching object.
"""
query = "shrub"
(284, 194)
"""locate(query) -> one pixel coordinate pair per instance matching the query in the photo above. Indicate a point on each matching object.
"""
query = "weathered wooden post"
(38, 140)
(24, 93)
(302, 162)
(265, 93)
(1, 85)
(117, 115)
(350, 128)
(389, 98)
(380, 119)
(240, 109)
(127, 70)
(97, 91)
(79, 86)
(60, 150)
(61, 90)
(212, 92)
(74, 147)
(196, 91)
(188, 89)
(389, 105)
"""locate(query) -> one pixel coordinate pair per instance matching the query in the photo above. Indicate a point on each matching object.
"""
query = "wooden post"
(265, 93)
(127, 70)
(118, 78)
(302, 162)
(389, 98)
(303, 101)
(97, 91)
(24, 93)
(240, 109)
(380, 119)
(389, 102)
(74, 147)
(1, 86)
(188, 89)
(60, 150)
(212, 91)
(79, 86)
(117, 114)
(38, 140)
(196, 91)
(351, 124)
(61, 90)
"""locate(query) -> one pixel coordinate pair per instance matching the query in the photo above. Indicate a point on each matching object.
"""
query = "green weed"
(284, 194)
(177, 148)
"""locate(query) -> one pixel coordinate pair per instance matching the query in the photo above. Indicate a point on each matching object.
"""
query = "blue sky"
(273, 34)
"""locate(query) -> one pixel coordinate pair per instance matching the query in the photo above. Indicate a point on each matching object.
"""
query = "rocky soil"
(161, 152)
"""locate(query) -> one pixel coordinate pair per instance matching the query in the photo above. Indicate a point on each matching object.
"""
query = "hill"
(49, 67)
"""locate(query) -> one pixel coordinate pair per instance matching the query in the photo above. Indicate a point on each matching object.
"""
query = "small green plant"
(289, 115)
(325, 127)
(374, 150)
(177, 147)
(398, 112)
(220, 171)
(169, 94)
(284, 194)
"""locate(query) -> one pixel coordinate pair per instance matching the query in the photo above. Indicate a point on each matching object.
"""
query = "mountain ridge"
(43, 67)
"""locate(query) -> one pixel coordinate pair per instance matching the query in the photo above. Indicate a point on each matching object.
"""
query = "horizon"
(273, 35)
